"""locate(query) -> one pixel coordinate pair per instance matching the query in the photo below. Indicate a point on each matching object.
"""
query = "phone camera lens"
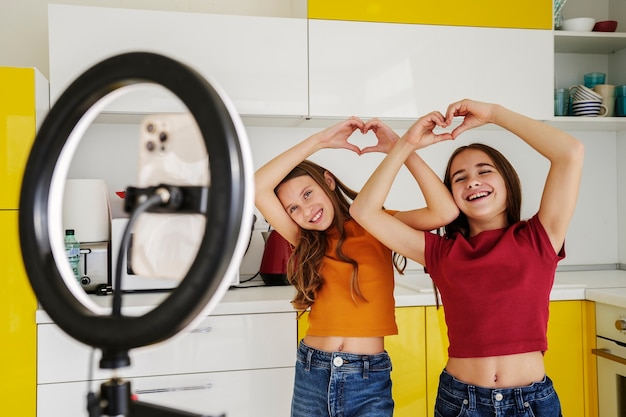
(150, 127)
(163, 136)
(150, 146)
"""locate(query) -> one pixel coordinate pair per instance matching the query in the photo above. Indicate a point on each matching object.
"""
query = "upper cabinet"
(23, 105)
(529, 14)
(260, 62)
(326, 68)
(406, 70)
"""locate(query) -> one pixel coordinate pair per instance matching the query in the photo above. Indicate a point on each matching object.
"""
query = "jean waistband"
(503, 397)
(342, 360)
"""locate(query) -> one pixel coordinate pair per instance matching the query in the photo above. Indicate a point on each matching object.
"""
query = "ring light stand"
(228, 207)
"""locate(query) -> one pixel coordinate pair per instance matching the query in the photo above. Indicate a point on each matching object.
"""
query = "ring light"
(228, 215)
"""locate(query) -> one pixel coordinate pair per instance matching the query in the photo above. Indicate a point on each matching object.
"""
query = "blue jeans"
(456, 399)
(338, 384)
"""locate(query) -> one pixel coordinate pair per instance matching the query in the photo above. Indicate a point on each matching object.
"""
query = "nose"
(307, 208)
(473, 182)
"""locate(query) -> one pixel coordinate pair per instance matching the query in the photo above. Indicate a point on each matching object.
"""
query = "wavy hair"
(303, 267)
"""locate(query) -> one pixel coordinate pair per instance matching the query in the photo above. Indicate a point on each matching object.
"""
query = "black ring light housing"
(227, 205)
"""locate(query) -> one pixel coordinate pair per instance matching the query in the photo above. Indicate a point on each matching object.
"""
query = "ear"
(330, 180)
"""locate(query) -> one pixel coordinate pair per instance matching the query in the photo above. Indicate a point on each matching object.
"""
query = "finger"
(349, 146)
(458, 130)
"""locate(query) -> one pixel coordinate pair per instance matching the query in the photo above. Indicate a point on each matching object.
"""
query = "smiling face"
(479, 190)
(307, 203)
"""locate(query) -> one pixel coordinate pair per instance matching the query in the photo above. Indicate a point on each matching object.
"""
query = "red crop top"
(335, 312)
(495, 288)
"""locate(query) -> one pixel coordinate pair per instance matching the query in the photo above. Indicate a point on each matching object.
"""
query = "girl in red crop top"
(341, 273)
(490, 265)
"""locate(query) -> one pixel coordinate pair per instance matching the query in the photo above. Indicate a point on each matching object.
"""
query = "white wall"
(109, 151)
(24, 23)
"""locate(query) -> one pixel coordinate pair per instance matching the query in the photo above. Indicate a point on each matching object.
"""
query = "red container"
(605, 26)
(273, 267)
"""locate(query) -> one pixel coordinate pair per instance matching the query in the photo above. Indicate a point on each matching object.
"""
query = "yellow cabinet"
(529, 14)
(18, 342)
(23, 102)
(569, 363)
(407, 350)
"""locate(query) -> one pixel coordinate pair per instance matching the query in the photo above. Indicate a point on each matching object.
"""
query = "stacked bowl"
(586, 102)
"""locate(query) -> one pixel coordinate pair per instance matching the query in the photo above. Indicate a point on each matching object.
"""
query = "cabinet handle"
(606, 353)
(202, 329)
(174, 389)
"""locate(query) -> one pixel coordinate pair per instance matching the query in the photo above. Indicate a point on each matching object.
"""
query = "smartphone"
(171, 151)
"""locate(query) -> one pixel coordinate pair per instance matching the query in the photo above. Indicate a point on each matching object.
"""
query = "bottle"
(72, 250)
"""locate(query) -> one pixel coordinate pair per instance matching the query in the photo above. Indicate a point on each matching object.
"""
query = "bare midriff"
(498, 371)
(358, 345)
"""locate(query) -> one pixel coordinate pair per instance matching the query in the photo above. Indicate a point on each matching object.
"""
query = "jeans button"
(499, 397)
(338, 361)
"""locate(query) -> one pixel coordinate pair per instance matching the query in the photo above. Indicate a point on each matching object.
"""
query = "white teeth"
(317, 216)
(477, 195)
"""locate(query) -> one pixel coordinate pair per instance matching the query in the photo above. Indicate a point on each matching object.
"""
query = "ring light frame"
(230, 204)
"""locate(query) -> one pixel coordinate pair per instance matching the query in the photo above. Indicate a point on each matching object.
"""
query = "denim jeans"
(338, 384)
(457, 399)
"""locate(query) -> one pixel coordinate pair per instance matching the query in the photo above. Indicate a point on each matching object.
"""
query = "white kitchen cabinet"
(249, 393)
(404, 71)
(239, 364)
(260, 62)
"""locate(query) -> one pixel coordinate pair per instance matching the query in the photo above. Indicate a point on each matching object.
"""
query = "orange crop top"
(335, 311)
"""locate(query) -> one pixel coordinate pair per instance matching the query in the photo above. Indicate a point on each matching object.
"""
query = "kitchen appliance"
(86, 209)
(611, 359)
(273, 269)
(94, 266)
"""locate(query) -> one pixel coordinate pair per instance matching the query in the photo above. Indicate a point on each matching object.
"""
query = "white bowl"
(579, 24)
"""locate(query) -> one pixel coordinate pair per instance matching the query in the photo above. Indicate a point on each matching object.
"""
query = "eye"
(307, 194)
(485, 171)
(458, 179)
(292, 209)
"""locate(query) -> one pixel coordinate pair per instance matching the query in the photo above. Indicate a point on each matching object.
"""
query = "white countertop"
(413, 289)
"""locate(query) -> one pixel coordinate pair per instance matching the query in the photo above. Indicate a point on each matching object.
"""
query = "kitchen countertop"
(412, 289)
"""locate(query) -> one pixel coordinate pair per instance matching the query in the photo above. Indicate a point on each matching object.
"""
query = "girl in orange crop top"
(341, 273)
(489, 263)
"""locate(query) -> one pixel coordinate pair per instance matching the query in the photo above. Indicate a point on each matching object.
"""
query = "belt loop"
(309, 356)
(366, 367)
(471, 392)
(519, 399)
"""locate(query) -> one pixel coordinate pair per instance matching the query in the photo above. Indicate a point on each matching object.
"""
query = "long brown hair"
(303, 267)
(511, 181)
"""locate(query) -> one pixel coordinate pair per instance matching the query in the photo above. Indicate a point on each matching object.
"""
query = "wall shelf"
(589, 42)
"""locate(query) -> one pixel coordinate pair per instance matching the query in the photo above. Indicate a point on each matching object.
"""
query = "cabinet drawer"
(265, 392)
(217, 343)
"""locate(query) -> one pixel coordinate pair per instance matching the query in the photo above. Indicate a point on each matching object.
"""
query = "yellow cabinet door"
(529, 14)
(22, 92)
(18, 340)
(569, 362)
(407, 350)
(436, 353)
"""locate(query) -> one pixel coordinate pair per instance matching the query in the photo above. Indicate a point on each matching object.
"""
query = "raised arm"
(367, 207)
(440, 208)
(565, 153)
(272, 173)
